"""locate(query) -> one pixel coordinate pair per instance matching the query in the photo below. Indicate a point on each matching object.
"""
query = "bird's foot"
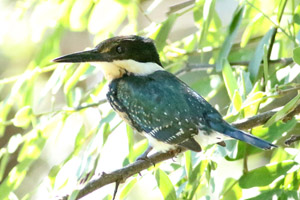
(176, 151)
(144, 156)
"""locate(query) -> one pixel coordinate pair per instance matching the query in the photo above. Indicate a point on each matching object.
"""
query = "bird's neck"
(117, 69)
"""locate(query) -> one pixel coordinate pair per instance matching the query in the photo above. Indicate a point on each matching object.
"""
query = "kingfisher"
(155, 102)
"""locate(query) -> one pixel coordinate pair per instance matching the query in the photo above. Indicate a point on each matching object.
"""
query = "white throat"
(118, 68)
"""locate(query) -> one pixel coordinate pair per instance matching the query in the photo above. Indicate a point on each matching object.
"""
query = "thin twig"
(267, 17)
(292, 139)
(80, 107)
(121, 175)
(196, 67)
(272, 41)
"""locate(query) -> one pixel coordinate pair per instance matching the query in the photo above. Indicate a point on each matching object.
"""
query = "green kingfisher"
(155, 102)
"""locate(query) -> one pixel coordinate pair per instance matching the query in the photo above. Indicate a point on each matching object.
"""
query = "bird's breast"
(113, 96)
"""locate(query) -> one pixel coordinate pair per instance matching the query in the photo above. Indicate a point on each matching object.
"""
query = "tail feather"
(248, 138)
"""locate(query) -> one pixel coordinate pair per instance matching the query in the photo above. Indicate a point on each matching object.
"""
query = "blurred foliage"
(48, 145)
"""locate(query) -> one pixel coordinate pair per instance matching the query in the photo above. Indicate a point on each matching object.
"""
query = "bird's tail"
(248, 138)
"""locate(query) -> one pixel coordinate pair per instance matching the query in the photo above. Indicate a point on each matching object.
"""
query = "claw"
(144, 156)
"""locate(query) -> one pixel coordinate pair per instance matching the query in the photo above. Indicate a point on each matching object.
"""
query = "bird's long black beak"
(83, 56)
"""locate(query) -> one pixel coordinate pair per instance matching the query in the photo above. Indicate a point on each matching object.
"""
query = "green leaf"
(296, 18)
(165, 185)
(292, 180)
(255, 62)
(251, 105)
(130, 142)
(291, 105)
(229, 79)
(127, 188)
(123, 2)
(4, 161)
(269, 174)
(161, 34)
(266, 65)
(233, 28)
(198, 12)
(23, 117)
(198, 171)
(296, 55)
(79, 15)
(208, 11)
(106, 132)
(188, 163)
(251, 27)
(276, 194)
(237, 100)
(231, 190)
(71, 82)
(280, 10)
(53, 173)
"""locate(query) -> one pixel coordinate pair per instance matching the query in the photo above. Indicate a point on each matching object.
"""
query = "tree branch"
(292, 139)
(122, 174)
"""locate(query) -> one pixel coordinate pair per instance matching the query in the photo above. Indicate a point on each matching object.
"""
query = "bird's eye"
(120, 49)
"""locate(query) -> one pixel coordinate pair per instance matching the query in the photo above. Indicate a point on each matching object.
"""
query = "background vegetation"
(237, 54)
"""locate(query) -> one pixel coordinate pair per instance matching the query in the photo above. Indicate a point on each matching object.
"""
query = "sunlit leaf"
(237, 100)
(71, 82)
(188, 163)
(124, 2)
(106, 132)
(101, 10)
(165, 185)
(231, 190)
(284, 111)
(292, 181)
(130, 141)
(251, 104)
(80, 13)
(269, 172)
(208, 11)
(127, 188)
(229, 79)
(23, 117)
(52, 174)
(14, 143)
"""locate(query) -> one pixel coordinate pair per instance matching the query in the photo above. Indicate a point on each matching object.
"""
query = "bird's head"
(120, 55)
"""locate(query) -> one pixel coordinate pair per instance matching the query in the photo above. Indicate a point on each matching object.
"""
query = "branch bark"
(122, 174)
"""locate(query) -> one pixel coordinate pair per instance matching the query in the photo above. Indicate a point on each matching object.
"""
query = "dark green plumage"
(162, 106)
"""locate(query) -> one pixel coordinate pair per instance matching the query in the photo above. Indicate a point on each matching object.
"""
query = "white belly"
(212, 138)
(202, 139)
(158, 145)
